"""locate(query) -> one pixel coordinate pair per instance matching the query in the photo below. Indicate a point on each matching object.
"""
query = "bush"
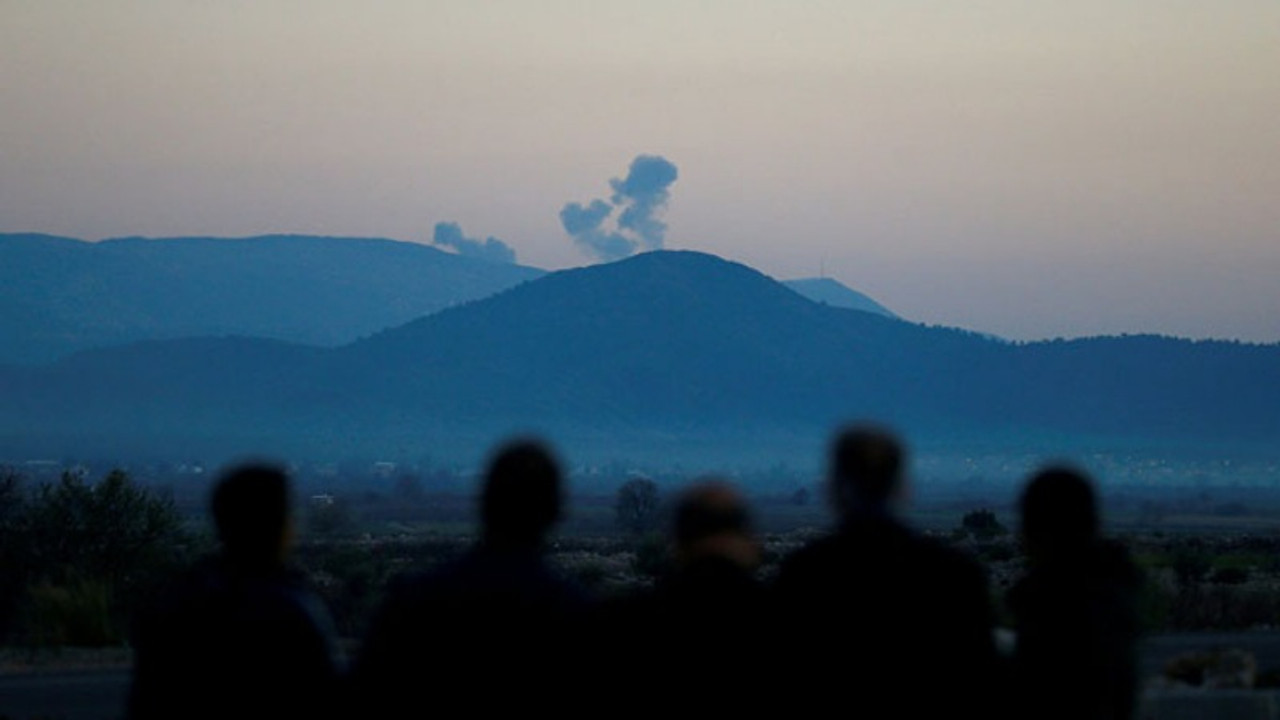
(997, 552)
(636, 507)
(652, 559)
(1190, 565)
(86, 553)
(1229, 576)
(982, 525)
(77, 613)
(329, 517)
(591, 575)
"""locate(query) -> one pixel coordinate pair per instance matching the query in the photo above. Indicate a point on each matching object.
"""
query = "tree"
(982, 524)
(106, 543)
(328, 516)
(636, 507)
(107, 531)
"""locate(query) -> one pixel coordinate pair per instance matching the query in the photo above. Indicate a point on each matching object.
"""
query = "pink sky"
(1031, 169)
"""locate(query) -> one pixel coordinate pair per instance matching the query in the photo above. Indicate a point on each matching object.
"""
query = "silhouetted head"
(1059, 512)
(521, 498)
(866, 469)
(251, 512)
(712, 519)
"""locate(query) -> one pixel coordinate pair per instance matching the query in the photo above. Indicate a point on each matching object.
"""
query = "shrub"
(636, 507)
(1229, 576)
(652, 559)
(77, 613)
(328, 517)
(1189, 565)
(982, 524)
(88, 553)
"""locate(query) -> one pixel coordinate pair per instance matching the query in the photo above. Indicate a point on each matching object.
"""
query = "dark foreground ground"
(53, 692)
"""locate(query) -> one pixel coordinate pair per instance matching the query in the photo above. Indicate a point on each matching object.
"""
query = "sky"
(1029, 169)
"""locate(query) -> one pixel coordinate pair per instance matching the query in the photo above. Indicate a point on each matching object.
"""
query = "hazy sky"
(1032, 169)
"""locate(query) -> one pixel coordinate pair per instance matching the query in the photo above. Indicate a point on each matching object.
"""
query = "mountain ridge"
(835, 293)
(60, 295)
(667, 350)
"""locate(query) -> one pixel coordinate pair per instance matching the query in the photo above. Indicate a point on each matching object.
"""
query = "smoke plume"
(449, 234)
(641, 197)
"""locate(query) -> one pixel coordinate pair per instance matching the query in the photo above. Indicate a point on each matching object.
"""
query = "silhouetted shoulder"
(511, 581)
(882, 598)
(479, 624)
(880, 547)
(701, 633)
(484, 627)
(1076, 608)
(1115, 562)
(1098, 585)
(244, 643)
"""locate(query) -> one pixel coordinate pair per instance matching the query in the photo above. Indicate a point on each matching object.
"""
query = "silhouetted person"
(487, 631)
(1075, 611)
(711, 595)
(698, 633)
(878, 620)
(238, 635)
(712, 528)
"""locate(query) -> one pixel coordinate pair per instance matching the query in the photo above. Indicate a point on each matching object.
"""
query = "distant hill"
(660, 355)
(836, 294)
(59, 295)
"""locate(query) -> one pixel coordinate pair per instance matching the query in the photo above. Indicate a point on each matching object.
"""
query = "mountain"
(662, 355)
(662, 339)
(836, 294)
(59, 295)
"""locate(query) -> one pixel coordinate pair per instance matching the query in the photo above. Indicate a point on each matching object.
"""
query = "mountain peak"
(669, 278)
(680, 260)
(836, 294)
